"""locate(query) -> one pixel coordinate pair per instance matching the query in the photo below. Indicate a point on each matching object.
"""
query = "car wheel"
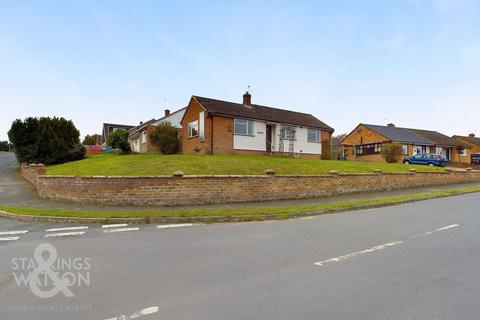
(406, 162)
(430, 164)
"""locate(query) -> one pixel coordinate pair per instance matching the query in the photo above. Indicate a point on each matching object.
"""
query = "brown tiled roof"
(438, 138)
(472, 140)
(255, 111)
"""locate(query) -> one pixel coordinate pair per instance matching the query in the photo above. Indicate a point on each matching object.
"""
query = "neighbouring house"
(212, 126)
(471, 141)
(139, 136)
(365, 142)
(98, 139)
(108, 128)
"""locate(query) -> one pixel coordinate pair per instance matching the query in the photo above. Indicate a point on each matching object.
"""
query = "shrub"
(46, 140)
(165, 137)
(326, 150)
(119, 140)
(392, 152)
(90, 139)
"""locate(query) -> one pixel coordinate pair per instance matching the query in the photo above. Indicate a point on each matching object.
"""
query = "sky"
(414, 63)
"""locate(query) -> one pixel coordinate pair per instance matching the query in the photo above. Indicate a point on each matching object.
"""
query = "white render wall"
(135, 143)
(300, 145)
(257, 142)
(174, 118)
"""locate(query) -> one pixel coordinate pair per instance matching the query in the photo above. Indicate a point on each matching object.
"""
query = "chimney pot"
(247, 99)
(167, 112)
(472, 135)
(391, 125)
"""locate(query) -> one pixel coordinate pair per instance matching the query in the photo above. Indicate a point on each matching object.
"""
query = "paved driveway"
(15, 191)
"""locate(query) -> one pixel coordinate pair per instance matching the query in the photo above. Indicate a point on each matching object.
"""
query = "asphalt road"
(415, 261)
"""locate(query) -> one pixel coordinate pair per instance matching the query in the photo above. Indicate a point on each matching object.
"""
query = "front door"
(268, 138)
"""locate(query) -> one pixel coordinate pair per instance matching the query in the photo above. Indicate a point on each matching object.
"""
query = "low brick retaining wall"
(195, 190)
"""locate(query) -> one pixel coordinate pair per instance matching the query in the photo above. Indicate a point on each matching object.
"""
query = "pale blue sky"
(415, 63)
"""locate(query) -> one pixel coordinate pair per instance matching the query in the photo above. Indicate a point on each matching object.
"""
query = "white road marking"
(114, 225)
(138, 314)
(439, 229)
(382, 246)
(120, 230)
(178, 225)
(144, 312)
(66, 229)
(9, 238)
(64, 234)
(6, 233)
(358, 253)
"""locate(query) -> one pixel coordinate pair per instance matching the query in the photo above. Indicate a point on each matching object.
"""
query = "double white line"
(65, 232)
(121, 227)
(12, 235)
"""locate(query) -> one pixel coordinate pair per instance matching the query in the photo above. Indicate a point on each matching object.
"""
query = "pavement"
(415, 261)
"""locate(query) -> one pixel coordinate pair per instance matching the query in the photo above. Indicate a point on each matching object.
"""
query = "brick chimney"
(247, 99)
(391, 125)
(472, 135)
(167, 112)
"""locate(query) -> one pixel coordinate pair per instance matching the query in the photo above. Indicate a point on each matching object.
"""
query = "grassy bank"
(155, 164)
(278, 212)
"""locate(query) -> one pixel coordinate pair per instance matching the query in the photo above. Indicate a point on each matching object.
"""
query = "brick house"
(139, 136)
(212, 126)
(365, 142)
(471, 141)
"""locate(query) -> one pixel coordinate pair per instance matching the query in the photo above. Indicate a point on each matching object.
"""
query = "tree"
(119, 140)
(337, 150)
(90, 139)
(165, 137)
(6, 146)
(392, 152)
(46, 140)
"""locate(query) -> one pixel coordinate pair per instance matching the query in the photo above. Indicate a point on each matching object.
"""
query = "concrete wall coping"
(250, 176)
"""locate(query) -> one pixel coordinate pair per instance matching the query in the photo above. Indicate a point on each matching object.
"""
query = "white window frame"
(317, 135)
(462, 152)
(201, 126)
(423, 149)
(193, 125)
(248, 125)
(292, 132)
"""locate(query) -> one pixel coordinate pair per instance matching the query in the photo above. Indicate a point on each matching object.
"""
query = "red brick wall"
(31, 172)
(189, 145)
(192, 190)
(223, 135)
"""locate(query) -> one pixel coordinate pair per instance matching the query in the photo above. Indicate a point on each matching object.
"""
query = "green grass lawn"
(155, 164)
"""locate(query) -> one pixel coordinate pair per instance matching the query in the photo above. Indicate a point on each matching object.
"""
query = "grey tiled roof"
(472, 140)
(438, 138)
(400, 134)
